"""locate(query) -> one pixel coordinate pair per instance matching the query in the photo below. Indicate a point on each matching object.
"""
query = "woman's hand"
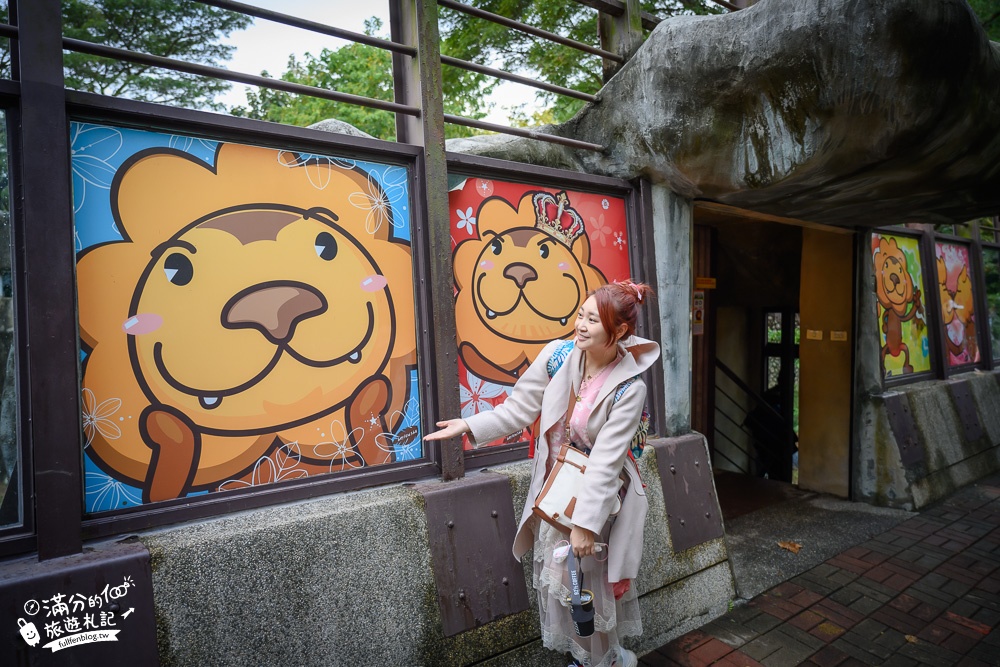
(448, 429)
(582, 541)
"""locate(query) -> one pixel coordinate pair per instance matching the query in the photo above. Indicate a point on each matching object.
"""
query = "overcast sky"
(266, 45)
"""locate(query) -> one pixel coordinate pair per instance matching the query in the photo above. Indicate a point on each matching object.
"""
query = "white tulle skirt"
(613, 619)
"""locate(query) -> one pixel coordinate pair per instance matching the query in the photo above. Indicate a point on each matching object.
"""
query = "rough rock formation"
(845, 112)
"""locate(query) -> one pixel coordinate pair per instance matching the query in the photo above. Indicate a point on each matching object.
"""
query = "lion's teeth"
(490, 314)
(210, 401)
(355, 357)
(563, 321)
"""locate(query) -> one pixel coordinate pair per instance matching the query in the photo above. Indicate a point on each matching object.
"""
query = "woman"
(604, 355)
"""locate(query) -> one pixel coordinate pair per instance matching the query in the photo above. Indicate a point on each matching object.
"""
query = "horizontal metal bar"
(502, 74)
(531, 30)
(312, 26)
(145, 517)
(9, 89)
(617, 8)
(239, 77)
(731, 7)
(7, 30)
(519, 132)
(489, 167)
(218, 126)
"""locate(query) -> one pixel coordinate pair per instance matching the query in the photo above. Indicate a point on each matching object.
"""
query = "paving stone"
(935, 633)
(986, 653)
(869, 629)
(731, 631)
(828, 656)
(737, 659)
(897, 660)
(959, 643)
(856, 652)
(763, 623)
(806, 620)
(865, 605)
(802, 637)
(988, 617)
(816, 583)
(838, 613)
(827, 631)
(929, 654)
(709, 652)
(966, 626)
(763, 646)
(899, 620)
(971, 662)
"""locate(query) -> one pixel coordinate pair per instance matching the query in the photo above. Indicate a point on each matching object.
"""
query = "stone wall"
(348, 579)
(953, 428)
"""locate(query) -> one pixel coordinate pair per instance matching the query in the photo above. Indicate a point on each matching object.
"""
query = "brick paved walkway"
(926, 592)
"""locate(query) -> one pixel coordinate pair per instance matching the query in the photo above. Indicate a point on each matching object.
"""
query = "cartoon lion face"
(894, 286)
(956, 293)
(246, 298)
(519, 287)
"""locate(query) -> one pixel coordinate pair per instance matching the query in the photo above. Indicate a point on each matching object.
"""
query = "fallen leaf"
(791, 546)
(911, 639)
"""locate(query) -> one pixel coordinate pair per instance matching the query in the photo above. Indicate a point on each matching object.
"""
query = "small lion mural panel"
(957, 303)
(524, 259)
(903, 329)
(250, 319)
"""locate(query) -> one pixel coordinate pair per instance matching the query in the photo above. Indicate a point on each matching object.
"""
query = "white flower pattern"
(466, 220)
(96, 417)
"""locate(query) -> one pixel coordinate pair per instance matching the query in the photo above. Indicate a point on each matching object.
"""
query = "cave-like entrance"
(771, 348)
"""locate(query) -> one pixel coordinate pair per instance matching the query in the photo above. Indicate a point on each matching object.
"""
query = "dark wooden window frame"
(932, 308)
(140, 115)
(979, 288)
(638, 227)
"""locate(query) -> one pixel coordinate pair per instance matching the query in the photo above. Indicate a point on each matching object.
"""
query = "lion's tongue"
(210, 402)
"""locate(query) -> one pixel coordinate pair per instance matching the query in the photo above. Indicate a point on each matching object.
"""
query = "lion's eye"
(496, 246)
(543, 250)
(326, 246)
(178, 269)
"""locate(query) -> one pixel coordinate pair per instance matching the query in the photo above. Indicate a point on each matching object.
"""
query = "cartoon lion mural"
(256, 304)
(957, 311)
(520, 282)
(898, 297)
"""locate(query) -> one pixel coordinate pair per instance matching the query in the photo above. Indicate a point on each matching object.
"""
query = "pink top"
(581, 414)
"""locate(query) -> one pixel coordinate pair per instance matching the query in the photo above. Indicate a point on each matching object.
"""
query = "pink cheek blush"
(374, 283)
(486, 265)
(143, 323)
(563, 266)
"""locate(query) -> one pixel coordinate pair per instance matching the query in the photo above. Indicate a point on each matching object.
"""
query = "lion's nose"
(520, 273)
(894, 279)
(273, 308)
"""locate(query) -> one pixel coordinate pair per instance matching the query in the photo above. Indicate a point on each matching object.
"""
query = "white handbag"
(557, 499)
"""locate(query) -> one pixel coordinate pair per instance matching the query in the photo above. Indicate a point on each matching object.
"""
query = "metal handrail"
(531, 30)
(520, 132)
(7, 30)
(617, 8)
(312, 26)
(503, 74)
(91, 48)
(736, 465)
(760, 399)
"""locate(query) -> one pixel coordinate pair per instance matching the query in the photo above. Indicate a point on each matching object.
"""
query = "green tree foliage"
(178, 29)
(480, 41)
(357, 69)
(988, 12)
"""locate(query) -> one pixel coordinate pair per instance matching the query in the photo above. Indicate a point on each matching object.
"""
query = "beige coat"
(611, 427)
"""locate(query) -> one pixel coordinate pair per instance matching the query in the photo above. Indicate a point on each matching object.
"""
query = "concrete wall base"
(348, 580)
(952, 450)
